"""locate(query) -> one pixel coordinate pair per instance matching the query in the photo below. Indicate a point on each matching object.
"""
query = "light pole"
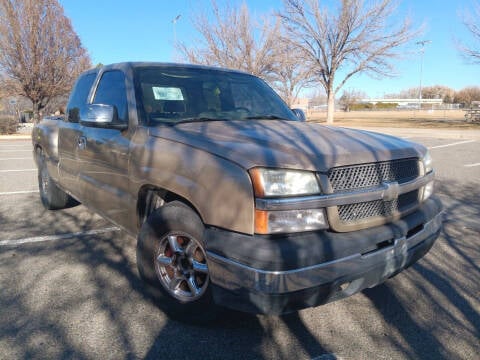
(422, 52)
(174, 21)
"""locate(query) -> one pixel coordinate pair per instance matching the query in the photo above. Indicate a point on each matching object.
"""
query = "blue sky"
(115, 31)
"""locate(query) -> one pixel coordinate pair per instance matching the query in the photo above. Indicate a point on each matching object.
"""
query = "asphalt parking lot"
(69, 288)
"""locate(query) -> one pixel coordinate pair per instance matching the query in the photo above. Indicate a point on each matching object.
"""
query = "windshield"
(184, 94)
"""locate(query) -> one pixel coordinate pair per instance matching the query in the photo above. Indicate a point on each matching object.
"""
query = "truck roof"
(136, 64)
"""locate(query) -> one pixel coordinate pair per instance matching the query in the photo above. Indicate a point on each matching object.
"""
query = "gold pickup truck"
(234, 199)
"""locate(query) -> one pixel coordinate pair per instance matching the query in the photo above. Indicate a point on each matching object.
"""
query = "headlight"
(427, 163)
(276, 182)
(289, 221)
(427, 191)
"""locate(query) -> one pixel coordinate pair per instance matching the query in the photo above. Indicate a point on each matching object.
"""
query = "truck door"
(69, 136)
(104, 157)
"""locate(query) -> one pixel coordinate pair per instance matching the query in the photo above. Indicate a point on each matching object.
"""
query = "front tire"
(52, 197)
(172, 261)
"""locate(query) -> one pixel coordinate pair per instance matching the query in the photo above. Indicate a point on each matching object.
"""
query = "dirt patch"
(432, 119)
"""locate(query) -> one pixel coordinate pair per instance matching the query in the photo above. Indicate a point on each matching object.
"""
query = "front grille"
(350, 178)
(377, 208)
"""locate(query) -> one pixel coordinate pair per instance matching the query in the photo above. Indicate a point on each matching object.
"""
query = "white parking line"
(452, 144)
(13, 150)
(56, 237)
(18, 158)
(18, 192)
(19, 170)
(18, 145)
(472, 165)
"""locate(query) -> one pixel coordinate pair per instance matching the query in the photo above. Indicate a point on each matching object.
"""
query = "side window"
(78, 99)
(111, 91)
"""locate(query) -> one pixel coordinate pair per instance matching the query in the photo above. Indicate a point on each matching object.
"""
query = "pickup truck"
(235, 199)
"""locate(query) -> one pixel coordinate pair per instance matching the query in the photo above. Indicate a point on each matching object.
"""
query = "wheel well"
(151, 198)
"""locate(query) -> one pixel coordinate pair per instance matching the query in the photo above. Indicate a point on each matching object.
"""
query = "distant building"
(405, 103)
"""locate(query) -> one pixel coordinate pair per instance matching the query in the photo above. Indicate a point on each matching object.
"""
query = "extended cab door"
(69, 136)
(105, 154)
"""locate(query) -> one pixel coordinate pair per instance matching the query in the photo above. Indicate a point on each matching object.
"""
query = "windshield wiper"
(197, 119)
(266, 116)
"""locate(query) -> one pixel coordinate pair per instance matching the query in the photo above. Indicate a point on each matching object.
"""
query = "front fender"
(220, 190)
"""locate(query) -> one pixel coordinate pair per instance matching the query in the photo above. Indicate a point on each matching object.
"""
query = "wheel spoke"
(192, 285)
(190, 249)
(164, 261)
(199, 267)
(175, 283)
(174, 245)
(181, 267)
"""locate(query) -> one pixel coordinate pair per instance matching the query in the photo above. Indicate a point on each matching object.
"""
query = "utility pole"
(422, 52)
(174, 22)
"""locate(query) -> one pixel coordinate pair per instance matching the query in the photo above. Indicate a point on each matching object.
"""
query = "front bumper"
(265, 277)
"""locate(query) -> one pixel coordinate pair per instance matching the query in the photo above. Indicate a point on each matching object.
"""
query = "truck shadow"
(85, 300)
(80, 303)
(443, 286)
(417, 309)
(240, 336)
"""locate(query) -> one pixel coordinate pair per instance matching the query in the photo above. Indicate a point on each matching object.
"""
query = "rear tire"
(171, 259)
(53, 198)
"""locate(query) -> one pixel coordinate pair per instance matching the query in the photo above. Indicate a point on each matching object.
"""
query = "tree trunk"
(330, 105)
(37, 106)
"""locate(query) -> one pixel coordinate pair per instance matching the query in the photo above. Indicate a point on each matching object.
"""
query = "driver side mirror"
(102, 116)
(300, 114)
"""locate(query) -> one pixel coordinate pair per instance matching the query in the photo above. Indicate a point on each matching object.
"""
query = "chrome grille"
(377, 208)
(348, 178)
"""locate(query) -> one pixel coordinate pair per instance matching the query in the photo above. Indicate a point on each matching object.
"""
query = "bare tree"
(3, 87)
(290, 75)
(467, 95)
(236, 40)
(351, 97)
(317, 98)
(40, 51)
(359, 37)
(438, 92)
(472, 22)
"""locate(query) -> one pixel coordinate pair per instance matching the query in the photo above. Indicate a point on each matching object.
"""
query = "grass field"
(450, 119)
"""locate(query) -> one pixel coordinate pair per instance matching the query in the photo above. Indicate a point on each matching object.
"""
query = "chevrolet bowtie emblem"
(391, 192)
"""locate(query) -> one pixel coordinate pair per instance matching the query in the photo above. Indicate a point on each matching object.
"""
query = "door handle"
(82, 143)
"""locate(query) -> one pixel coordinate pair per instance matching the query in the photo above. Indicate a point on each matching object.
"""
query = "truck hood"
(288, 144)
